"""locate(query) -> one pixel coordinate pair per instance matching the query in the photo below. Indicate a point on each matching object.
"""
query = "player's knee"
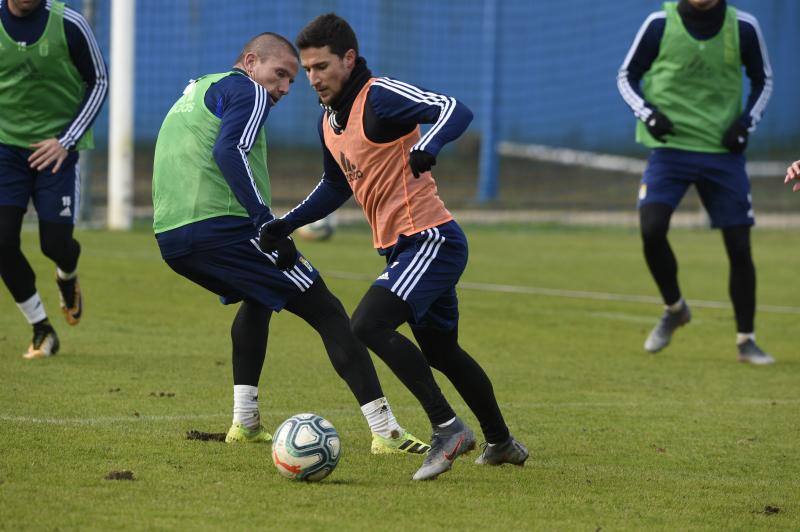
(9, 239)
(331, 309)
(53, 249)
(362, 325)
(434, 340)
(367, 327)
(57, 243)
(440, 347)
(654, 230)
(741, 254)
(9, 245)
(654, 221)
(738, 246)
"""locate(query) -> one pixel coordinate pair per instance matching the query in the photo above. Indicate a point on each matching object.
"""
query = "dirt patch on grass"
(162, 394)
(125, 474)
(205, 436)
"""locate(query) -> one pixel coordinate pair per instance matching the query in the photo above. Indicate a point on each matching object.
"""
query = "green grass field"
(687, 439)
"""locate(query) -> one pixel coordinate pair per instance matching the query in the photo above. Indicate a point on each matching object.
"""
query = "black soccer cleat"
(69, 291)
(509, 452)
(44, 343)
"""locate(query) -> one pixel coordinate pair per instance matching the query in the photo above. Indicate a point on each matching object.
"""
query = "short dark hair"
(328, 30)
(266, 44)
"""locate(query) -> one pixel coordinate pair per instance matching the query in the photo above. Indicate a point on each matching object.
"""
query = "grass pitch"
(686, 439)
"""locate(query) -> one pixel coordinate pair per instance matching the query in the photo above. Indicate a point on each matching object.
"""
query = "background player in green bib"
(53, 83)
(211, 197)
(690, 112)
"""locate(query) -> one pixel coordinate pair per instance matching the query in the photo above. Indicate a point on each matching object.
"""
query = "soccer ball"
(306, 447)
(320, 230)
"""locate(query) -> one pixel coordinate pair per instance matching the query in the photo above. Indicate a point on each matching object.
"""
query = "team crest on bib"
(642, 191)
(307, 264)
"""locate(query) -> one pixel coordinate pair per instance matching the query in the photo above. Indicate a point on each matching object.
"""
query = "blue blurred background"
(556, 67)
(551, 76)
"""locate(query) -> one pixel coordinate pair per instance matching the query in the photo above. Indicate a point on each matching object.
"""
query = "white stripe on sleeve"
(447, 105)
(95, 100)
(250, 132)
(630, 96)
(766, 92)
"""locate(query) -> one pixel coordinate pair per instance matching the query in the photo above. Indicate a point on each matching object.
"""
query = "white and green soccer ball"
(320, 230)
(306, 447)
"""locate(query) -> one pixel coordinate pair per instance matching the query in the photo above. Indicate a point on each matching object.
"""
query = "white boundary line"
(614, 163)
(6, 418)
(574, 294)
(106, 420)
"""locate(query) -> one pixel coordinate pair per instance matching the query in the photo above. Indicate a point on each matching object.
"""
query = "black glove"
(735, 139)
(274, 236)
(421, 162)
(659, 126)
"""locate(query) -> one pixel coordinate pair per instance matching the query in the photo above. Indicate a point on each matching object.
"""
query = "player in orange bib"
(373, 150)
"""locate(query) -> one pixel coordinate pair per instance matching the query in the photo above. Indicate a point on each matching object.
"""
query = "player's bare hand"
(47, 152)
(793, 174)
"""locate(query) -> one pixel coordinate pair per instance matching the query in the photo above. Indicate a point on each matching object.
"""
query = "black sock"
(374, 322)
(43, 324)
(654, 223)
(320, 309)
(742, 280)
(15, 270)
(249, 335)
(443, 352)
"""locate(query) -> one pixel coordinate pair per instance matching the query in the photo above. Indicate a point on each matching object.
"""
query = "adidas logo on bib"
(351, 172)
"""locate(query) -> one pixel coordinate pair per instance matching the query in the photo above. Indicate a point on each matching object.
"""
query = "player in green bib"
(690, 56)
(211, 198)
(53, 83)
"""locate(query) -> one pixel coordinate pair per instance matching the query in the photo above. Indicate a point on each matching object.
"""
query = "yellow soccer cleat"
(238, 433)
(406, 443)
(44, 344)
